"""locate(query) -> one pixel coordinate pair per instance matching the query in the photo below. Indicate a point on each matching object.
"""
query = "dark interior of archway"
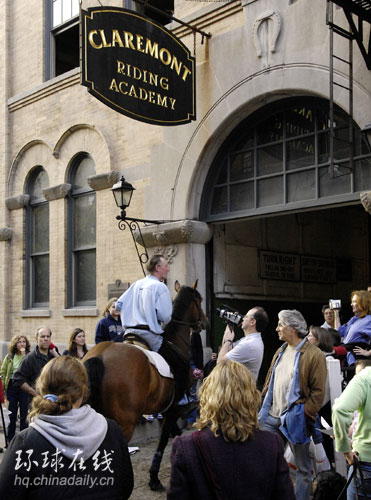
(311, 310)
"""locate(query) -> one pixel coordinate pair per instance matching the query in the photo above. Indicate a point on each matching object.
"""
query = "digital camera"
(235, 318)
(334, 304)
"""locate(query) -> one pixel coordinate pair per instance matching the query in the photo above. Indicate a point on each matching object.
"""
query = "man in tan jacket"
(295, 385)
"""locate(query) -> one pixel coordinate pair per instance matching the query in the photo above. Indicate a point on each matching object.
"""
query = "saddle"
(161, 365)
(134, 339)
(154, 357)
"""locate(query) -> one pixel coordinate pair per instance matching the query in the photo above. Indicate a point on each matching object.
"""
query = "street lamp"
(122, 192)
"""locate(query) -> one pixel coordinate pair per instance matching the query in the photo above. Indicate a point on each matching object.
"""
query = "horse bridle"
(197, 326)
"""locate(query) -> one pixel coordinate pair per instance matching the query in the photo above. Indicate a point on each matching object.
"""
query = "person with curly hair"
(69, 450)
(228, 456)
(76, 346)
(18, 348)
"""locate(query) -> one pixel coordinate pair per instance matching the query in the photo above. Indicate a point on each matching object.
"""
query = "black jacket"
(32, 469)
(31, 367)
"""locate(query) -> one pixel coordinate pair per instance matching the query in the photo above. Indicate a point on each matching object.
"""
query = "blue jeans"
(303, 488)
(191, 418)
(16, 397)
(351, 492)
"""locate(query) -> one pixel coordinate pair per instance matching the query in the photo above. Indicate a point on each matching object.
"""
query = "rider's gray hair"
(294, 319)
(153, 262)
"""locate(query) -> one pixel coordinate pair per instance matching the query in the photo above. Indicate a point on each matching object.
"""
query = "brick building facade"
(264, 69)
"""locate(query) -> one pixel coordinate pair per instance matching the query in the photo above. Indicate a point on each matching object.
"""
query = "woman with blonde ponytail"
(69, 450)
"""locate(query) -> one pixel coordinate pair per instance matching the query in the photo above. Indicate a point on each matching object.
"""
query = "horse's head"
(187, 315)
(187, 307)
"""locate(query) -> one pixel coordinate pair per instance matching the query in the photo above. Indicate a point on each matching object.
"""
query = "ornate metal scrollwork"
(134, 230)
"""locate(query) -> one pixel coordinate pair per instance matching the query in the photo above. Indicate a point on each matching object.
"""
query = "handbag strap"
(345, 487)
(365, 493)
(356, 466)
(203, 452)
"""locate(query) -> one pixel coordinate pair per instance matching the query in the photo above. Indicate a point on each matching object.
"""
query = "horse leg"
(168, 425)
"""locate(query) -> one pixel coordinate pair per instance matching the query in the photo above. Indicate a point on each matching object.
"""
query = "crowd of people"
(237, 446)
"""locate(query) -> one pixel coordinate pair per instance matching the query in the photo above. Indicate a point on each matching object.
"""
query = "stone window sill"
(35, 313)
(80, 311)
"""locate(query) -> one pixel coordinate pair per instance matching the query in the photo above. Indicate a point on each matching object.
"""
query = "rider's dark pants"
(179, 367)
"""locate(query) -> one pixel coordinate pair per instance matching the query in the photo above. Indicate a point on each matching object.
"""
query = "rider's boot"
(180, 368)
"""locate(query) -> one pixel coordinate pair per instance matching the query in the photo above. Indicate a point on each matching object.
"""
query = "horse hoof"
(156, 485)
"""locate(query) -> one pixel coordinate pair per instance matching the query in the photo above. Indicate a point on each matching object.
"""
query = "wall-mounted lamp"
(122, 192)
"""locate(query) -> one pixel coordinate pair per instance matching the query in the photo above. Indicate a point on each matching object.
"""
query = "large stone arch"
(235, 104)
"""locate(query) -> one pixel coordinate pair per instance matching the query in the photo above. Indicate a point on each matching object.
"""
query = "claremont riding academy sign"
(137, 67)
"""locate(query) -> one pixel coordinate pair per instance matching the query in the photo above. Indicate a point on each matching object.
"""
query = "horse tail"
(95, 368)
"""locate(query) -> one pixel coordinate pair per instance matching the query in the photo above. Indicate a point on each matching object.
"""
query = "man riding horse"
(145, 308)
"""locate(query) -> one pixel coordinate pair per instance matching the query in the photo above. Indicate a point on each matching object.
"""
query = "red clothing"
(340, 354)
(340, 351)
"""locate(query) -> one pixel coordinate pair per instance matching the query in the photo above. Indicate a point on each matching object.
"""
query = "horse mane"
(181, 303)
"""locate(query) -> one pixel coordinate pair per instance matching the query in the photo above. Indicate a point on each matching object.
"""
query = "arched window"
(278, 159)
(81, 265)
(37, 241)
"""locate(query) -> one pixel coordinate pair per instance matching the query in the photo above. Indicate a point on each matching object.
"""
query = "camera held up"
(231, 317)
(335, 304)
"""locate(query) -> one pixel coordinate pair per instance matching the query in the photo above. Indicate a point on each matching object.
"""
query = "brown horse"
(124, 385)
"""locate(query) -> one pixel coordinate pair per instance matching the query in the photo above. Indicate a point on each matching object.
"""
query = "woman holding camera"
(228, 456)
(356, 334)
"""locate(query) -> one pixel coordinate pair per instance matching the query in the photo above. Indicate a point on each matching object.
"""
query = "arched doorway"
(289, 231)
